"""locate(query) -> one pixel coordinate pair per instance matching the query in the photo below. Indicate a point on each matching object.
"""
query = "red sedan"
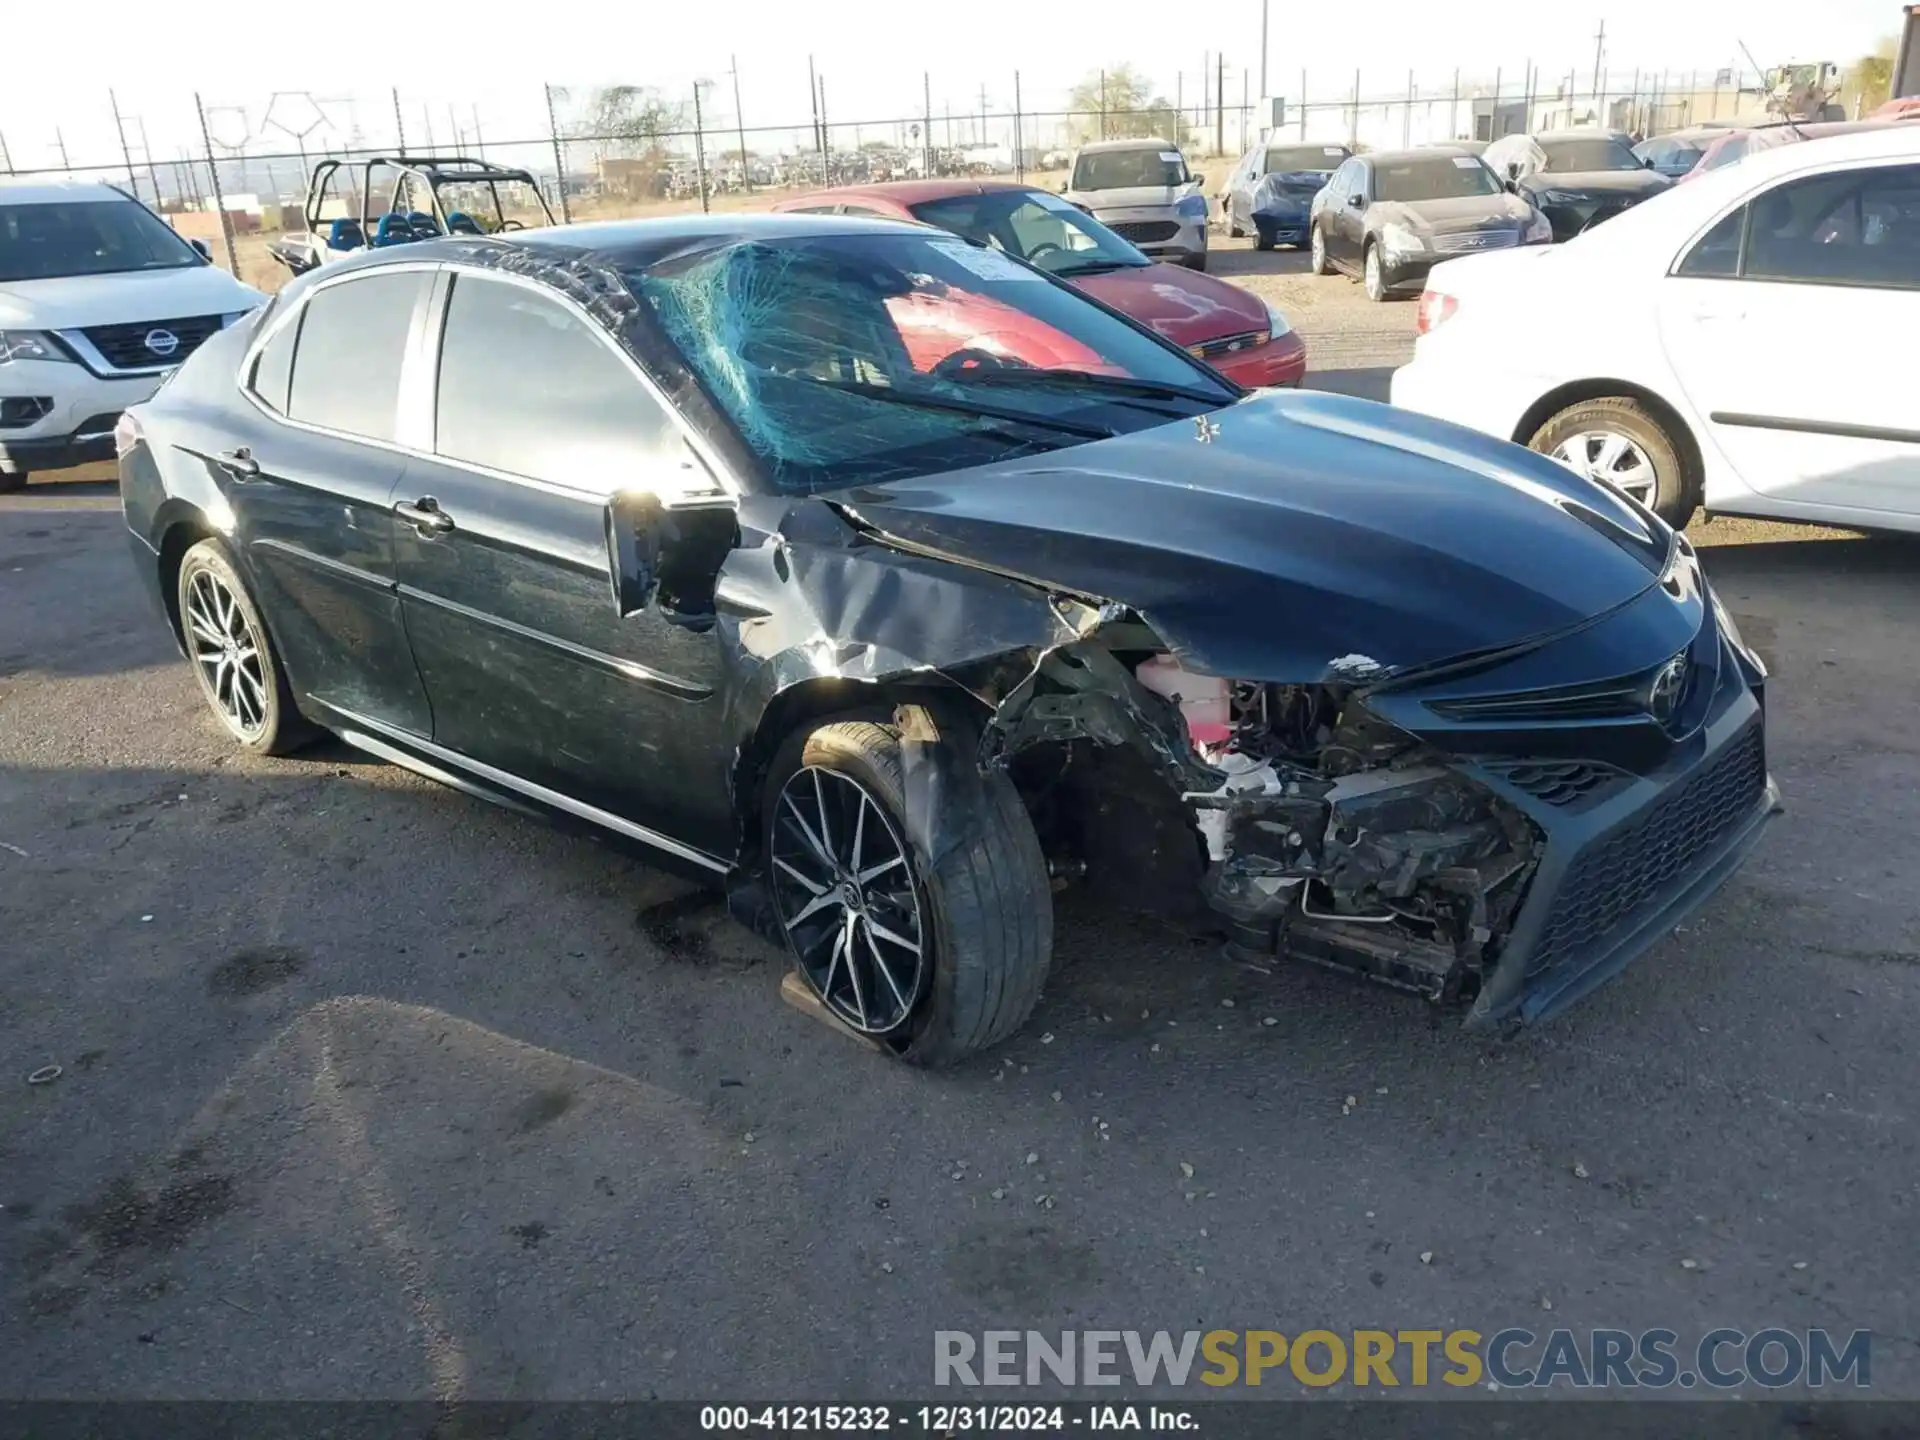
(1233, 330)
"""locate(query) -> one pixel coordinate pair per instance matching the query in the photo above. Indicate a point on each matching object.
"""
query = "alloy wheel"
(227, 653)
(1376, 282)
(1319, 251)
(1611, 457)
(847, 899)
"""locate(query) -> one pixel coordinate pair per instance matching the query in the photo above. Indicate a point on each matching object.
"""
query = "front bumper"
(1281, 227)
(1406, 272)
(1158, 231)
(1261, 367)
(80, 409)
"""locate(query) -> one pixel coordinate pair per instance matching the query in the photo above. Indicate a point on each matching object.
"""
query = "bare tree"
(1119, 103)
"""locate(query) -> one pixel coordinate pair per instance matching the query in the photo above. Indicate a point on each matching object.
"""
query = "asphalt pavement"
(368, 1089)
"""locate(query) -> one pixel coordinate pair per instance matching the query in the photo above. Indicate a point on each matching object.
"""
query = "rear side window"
(353, 342)
(1716, 255)
(273, 371)
(1859, 227)
(528, 387)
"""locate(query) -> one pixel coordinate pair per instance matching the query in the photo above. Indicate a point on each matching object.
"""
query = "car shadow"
(1226, 263)
(1367, 382)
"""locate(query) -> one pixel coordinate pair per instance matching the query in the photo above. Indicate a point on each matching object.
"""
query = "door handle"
(238, 463)
(425, 515)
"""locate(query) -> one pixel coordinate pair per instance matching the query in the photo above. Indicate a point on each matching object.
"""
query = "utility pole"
(400, 126)
(1599, 48)
(1220, 103)
(1019, 153)
(1103, 109)
(926, 104)
(125, 153)
(740, 125)
(219, 201)
(6, 156)
(826, 146)
(559, 161)
(479, 141)
(61, 141)
(813, 99)
(1263, 49)
(983, 114)
(700, 147)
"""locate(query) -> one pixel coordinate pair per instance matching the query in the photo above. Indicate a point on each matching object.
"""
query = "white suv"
(99, 299)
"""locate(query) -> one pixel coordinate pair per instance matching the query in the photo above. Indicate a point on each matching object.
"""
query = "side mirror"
(1358, 202)
(668, 558)
(1199, 180)
(201, 249)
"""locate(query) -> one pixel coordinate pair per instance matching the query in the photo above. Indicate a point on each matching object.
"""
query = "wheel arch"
(178, 526)
(1577, 392)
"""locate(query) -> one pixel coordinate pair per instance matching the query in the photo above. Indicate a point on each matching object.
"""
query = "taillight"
(1435, 309)
(126, 433)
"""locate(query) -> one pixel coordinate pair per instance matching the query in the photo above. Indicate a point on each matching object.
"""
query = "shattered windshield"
(1041, 229)
(850, 359)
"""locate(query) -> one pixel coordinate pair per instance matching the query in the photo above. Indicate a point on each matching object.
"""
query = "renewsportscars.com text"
(1600, 1359)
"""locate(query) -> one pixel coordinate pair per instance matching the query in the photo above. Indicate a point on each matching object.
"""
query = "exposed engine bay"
(1309, 826)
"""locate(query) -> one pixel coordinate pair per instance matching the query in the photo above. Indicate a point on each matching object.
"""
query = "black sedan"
(1390, 217)
(892, 584)
(1578, 178)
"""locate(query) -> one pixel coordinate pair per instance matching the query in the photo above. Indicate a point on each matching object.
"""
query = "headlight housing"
(1539, 230)
(29, 345)
(1399, 240)
(1193, 207)
(1276, 322)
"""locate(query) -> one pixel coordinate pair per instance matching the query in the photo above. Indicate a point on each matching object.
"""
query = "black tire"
(12, 480)
(281, 728)
(1262, 240)
(1233, 229)
(1676, 492)
(978, 872)
(1317, 252)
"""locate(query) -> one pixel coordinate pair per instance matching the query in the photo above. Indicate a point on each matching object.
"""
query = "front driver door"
(538, 419)
(1789, 328)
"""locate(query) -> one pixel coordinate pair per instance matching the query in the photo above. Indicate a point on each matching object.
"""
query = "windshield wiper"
(1089, 380)
(896, 396)
(1096, 267)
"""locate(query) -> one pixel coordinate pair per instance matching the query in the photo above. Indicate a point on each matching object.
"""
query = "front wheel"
(911, 887)
(1376, 275)
(1317, 253)
(1619, 442)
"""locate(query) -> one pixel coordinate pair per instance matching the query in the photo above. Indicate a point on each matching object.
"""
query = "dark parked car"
(1673, 155)
(1390, 217)
(1578, 178)
(1271, 190)
(659, 525)
(1244, 337)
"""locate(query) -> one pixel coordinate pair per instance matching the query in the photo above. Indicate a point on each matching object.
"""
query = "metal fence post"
(400, 126)
(1353, 127)
(1303, 104)
(1103, 104)
(1220, 103)
(926, 101)
(1406, 116)
(559, 157)
(826, 143)
(219, 202)
(740, 127)
(700, 149)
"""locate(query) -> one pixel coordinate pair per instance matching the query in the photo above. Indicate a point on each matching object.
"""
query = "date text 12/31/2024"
(944, 1419)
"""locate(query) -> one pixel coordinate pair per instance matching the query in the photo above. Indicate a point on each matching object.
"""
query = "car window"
(1857, 227)
(531, 388)
(846, 359)
(866, 210)
(1039, 227)
(1716, 255)
(353, 342)
(87, 237)
(1572, 155)
(1448, 177)
(1129, 169)
(273, 370)
(1304, 159)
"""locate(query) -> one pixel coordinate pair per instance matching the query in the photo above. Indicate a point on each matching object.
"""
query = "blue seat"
(345, 234)
(423, 225)
(461, 223)
(393, 229)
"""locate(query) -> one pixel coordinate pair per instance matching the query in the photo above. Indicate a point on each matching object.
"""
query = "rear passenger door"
(311, 485)
(1789, 326)
(538, 418)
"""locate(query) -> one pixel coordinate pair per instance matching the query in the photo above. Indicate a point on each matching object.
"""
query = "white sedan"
(1749, 341)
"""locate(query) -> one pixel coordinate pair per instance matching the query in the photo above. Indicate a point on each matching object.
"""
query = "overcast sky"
(63, 58)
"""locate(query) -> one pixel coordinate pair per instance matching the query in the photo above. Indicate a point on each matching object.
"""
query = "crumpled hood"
(129, 297)
(1184, 305)
(1597, 183)
(1133, 197)
(1306, 535)
(1449, 217)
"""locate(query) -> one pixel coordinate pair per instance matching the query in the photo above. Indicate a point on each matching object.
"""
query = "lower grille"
(150, 344)
(1564, 783)
(1469, 241)
(1144, 232)
(1633, 867)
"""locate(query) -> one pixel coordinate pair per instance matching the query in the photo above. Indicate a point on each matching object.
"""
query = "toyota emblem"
(162, 342)
(1669, 684)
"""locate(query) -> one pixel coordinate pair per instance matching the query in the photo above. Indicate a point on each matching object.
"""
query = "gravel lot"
(370, 1089)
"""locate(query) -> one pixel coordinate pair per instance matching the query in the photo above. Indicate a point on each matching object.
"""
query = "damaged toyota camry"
(895, 585)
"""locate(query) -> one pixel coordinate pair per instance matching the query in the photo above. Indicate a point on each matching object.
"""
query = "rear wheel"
(233, 657)
(921, 916)
(1620, 442)
(1262, 239)
(1317, 253)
